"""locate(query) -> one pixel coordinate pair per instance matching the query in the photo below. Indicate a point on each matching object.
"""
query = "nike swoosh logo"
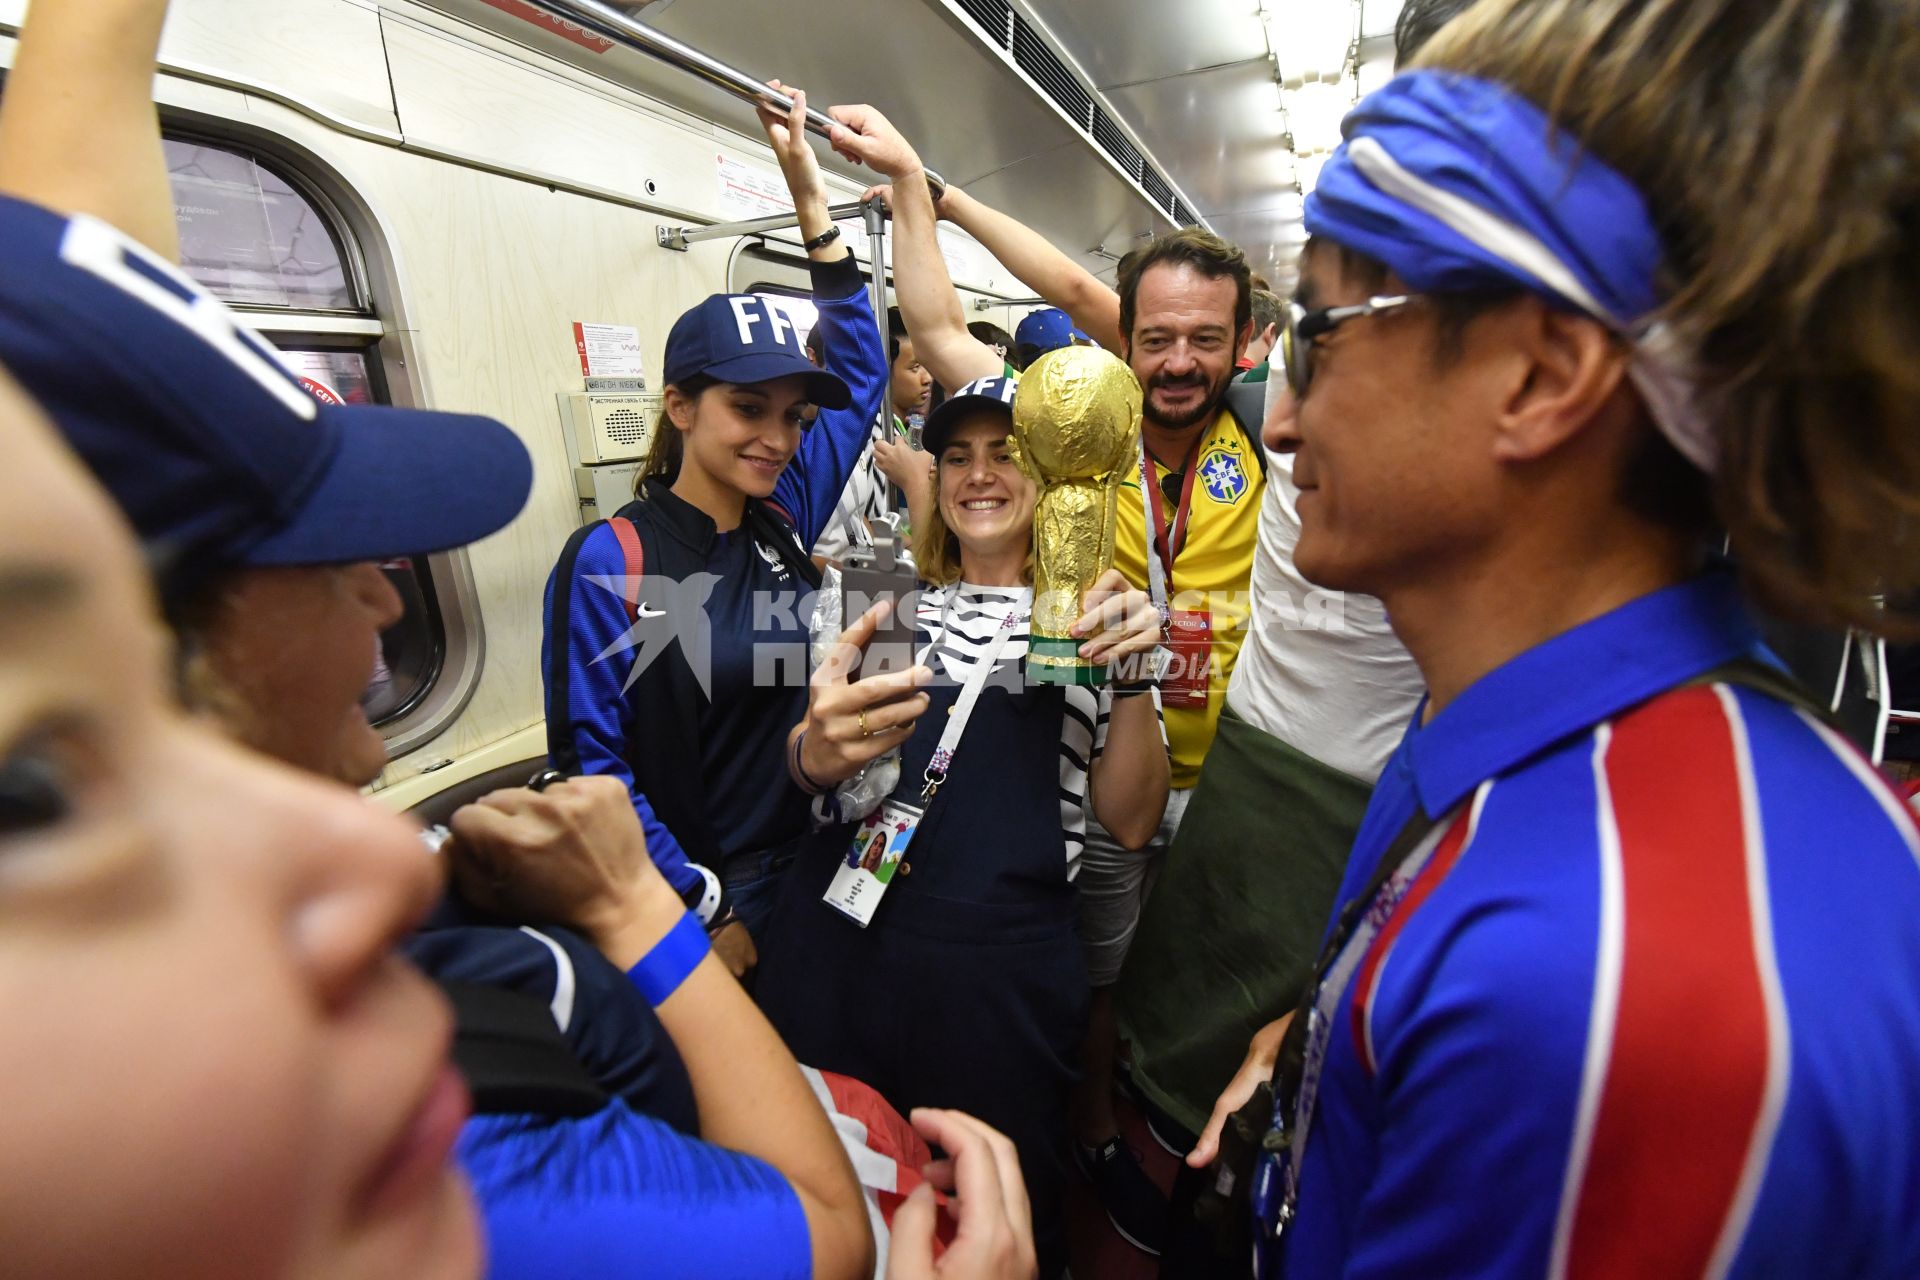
(642, 611)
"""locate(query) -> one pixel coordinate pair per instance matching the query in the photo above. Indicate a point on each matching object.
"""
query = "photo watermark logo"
(776, 628)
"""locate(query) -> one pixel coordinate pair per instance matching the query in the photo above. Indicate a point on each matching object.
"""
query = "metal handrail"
(681, 237)
(623, 28)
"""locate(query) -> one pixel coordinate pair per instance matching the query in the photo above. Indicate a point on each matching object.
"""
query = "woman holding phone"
(954, 978)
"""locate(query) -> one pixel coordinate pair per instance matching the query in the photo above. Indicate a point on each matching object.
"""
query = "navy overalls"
(967, 990)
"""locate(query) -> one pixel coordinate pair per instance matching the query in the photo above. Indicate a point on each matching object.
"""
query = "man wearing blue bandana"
(1626, 979)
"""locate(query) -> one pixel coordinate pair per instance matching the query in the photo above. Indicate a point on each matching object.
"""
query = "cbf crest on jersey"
(1224, 476)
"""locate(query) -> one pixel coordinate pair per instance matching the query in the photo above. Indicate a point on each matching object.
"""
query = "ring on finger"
(864, 731)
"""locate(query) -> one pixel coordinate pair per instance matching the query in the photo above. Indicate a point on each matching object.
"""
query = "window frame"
(376, 330)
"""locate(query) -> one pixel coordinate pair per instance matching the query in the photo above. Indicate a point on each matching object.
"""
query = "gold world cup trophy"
(1076, 420)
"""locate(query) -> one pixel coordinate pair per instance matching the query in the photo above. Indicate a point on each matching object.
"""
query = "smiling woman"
(986, 999)
(735, 489)
(131, 885)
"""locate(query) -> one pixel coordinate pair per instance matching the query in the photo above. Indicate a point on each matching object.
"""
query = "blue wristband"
(661, 971)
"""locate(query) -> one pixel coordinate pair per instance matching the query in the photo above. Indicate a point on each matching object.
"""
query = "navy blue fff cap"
(982, 393)
(208, 442)
(742, 339)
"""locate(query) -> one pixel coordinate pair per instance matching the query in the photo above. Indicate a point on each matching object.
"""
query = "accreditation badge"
(1189, 665)
(873, 860)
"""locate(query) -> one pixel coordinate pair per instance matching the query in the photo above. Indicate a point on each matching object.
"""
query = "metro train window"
(250, 236)
(257, 239)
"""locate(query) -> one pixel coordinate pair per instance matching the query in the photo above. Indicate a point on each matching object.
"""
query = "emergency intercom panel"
(604, 427)
(603, 490)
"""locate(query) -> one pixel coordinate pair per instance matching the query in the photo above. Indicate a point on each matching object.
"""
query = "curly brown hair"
(1779, 150)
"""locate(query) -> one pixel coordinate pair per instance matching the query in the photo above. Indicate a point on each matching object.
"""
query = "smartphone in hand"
(867, 579)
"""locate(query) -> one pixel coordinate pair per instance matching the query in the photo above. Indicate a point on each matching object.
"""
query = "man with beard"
(1181, 317)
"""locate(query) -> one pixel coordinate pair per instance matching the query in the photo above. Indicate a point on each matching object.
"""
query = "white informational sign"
(955, 247)
(331, 377)
(749, 191)
(608, 350)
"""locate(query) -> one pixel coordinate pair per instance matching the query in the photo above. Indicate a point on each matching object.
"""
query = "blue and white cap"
(982, 393)
(218, 455)
(741, 338)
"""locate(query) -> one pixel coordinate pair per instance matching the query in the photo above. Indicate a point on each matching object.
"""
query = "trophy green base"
(1057, 660)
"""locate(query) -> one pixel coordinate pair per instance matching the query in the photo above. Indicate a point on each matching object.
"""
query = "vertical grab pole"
(875, 213)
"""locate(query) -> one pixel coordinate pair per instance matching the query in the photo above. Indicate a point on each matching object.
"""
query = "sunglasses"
(1305, 327)
(1171, 485)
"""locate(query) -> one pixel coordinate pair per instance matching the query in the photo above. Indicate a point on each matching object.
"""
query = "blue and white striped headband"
(1455, 183)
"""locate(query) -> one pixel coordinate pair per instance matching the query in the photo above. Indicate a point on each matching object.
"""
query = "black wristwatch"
(822, 240)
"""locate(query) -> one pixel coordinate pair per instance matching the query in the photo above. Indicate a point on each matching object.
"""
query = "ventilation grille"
(1045, 69)
(995, 17)
(1115, 144)
(1051, 76)
(1157, 188)
(625, 426)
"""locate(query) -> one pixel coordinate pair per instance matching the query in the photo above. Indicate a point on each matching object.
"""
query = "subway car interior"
(1439, 566)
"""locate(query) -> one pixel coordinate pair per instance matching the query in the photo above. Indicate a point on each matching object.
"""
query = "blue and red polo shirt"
(1652, 1008)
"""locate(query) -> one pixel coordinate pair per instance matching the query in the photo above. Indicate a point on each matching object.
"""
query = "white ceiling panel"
(1152, 39)
(1271, 240)
(970, 116)
(1217, 133)
(1194, 82)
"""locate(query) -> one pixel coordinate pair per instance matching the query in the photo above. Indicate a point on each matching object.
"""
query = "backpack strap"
(1247, 402)
(636, 556)
(561, 751)
(514, 1059)
(562, 754)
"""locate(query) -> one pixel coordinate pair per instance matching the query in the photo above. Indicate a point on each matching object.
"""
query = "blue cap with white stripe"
(981, 393)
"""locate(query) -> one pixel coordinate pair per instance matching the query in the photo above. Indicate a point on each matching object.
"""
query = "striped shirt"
(959, 622)
(1652, 1008)
(867, 502)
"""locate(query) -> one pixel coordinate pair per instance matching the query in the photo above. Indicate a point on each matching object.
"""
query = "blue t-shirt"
(1652, 1008)
(613, 1032)
(621, 1196)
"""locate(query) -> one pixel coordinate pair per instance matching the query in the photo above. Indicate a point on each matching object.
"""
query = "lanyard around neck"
(943, 752)
(1164, 546)
(1296, 1093)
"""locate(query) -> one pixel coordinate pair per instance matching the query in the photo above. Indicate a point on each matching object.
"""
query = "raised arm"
(928, 302)
(78, 129)
(810, 489)
(1128, 775)
(1033, 259)
(787, 135)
